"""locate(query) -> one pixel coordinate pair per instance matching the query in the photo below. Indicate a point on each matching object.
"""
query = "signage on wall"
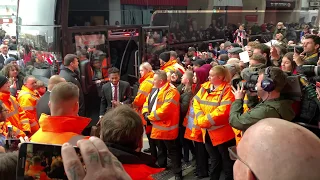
(283, 4)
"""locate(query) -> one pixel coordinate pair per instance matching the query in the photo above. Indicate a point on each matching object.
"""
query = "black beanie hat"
(165, 56)
(3, 80)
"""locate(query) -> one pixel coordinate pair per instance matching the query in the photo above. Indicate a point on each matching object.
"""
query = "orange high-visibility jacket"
(16, 116)
(165, 119)
(60, 129)
(146, 84)
(37, 171)
(212, 112)
(173, 65)
(196, 135)
(28, 100)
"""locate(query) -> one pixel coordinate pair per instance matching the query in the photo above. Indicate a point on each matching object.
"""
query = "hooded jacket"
(273, 108)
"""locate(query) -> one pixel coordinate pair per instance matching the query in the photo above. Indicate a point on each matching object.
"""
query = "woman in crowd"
(186, 94)
(200, 76)
(12, 72)
(288, 65)
(211, 108)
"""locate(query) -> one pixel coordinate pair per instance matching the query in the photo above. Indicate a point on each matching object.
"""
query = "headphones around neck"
(267, 84)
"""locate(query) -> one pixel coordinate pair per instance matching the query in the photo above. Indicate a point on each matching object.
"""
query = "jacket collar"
(207, 87)
(24, 88)
(58, 124)
(128, 156)
(146, 76)
(4, 96)
(168, 64)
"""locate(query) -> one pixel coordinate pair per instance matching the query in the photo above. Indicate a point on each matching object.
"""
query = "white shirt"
(154, 107)
(113, 90)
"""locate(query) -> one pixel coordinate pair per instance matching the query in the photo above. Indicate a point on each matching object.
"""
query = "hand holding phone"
(92, 154)
(100, 163)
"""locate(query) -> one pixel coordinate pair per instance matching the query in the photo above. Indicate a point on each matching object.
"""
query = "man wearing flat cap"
(234, 52)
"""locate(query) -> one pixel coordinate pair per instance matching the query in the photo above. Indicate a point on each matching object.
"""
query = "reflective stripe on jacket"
(146, 84)
(60, 129)
(165, 119)
(173, 65)
(212, 112)
(16, 116)
(28, 100)
(196, 135)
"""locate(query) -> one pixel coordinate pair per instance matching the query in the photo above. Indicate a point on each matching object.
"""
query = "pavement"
(187, 169)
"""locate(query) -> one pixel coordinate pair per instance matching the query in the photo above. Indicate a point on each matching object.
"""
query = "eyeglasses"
(234, 156)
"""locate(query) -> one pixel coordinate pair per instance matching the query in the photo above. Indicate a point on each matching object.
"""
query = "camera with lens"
(249, 78)
(310, 71)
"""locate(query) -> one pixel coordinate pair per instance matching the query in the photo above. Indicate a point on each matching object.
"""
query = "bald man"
(42, 105)
(275, 149)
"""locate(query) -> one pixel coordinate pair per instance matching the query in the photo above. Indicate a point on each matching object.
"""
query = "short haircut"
(64, 91)
(55, 79)
(283, 49)
(173, 54)
(224, 57)
(3, 45)
(122, 126)
(25, 79)
(8, 165)
(253, 43)
(146, 66)
(40, 84)
(36, 159)
(259, 58)
(114, 70)
(161, 74)
(315, 38)
(68, 59)
(278, 76)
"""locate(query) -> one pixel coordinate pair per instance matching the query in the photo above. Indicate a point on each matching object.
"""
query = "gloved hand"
(145, 115)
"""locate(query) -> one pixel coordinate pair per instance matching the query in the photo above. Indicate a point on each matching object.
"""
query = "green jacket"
(275, 108)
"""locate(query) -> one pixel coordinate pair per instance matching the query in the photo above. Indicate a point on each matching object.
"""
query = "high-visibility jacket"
(237, 132)
(28, 100)
(211, 110)
(37, 172)
(196, 135)
(141, 171)
(146, 84)
(60, 129)
(165, 119)
(16, 116)
(173, 65)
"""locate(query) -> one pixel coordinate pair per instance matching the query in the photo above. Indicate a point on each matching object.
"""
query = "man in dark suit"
(115, 92)
(70, 74)
(4, 55)
(42, 105)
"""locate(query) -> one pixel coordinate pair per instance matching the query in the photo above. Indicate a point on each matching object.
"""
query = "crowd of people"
(199, 104)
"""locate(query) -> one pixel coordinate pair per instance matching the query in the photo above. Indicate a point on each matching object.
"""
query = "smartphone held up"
(41, 162)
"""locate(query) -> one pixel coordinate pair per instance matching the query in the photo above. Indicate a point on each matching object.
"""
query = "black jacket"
(185, 98)
(42, 105)
(124, 95)
(128, 156)
(73, 77)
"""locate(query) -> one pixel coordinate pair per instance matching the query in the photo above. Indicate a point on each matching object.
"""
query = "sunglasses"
(234, 156)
